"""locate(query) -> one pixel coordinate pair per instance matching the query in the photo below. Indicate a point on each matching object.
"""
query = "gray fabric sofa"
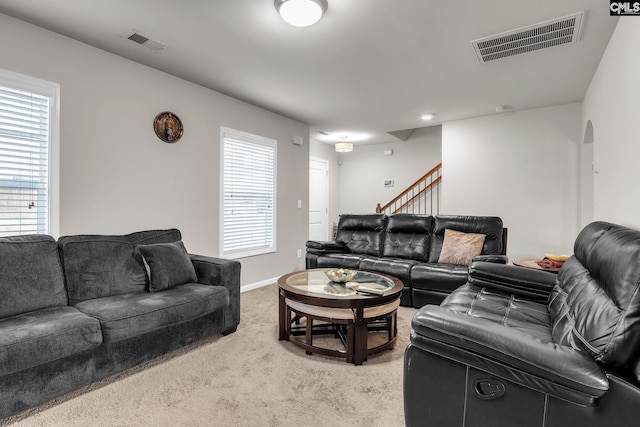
(85, 307)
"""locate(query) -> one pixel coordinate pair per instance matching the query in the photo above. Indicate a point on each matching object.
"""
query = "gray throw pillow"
(168, 265)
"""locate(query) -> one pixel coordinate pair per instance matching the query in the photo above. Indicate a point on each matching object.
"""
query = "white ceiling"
(367, 68)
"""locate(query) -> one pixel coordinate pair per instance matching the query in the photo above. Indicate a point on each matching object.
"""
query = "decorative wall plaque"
(168, 127)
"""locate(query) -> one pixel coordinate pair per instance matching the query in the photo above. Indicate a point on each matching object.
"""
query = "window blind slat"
(248, 223)
(24, 146)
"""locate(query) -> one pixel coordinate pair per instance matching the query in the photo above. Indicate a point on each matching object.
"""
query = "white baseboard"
(256, 285)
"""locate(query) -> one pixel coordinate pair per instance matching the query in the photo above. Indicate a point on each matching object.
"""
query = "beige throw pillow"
(459, 248)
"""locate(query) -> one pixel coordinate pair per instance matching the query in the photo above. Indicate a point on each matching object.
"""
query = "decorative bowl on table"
(340, 275)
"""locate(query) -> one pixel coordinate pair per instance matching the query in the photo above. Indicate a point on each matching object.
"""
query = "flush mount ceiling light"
(344, 147)
(301, 13)
(427, 116)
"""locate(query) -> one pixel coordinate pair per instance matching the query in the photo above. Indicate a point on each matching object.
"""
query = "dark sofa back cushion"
(98, 266)
(408, 236)
(30, 275)
(362, 234)
(490, 226)
(595, 304)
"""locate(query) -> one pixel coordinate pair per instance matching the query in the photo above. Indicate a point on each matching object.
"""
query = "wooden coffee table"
(340, 309)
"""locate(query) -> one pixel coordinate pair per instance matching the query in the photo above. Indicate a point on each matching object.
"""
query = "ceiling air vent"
(527, 39)
(146, 42)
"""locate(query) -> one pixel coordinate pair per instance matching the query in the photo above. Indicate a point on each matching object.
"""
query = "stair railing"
(422, 197)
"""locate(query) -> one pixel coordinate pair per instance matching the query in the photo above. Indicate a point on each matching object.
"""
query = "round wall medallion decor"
(168, 127)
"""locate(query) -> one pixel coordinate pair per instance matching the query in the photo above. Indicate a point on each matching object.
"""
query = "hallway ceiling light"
(344, 146)
(427, 116)
(301, 13)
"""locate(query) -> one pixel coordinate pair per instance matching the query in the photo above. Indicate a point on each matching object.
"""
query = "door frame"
(325, 162)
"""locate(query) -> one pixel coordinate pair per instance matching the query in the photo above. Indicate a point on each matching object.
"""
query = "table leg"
(393, 329)
(309, 331)
(350, 342)
(360, 329)
(282, 318)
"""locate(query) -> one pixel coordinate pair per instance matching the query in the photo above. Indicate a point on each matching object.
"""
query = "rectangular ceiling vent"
(527, 39)
(146, 42)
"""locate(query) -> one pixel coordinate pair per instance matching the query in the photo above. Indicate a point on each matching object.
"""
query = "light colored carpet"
(248, 378)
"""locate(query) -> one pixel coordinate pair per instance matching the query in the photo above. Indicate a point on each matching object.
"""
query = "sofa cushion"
(595, 304)
(396, 267)
(42, 336)
(490, 226)
(30, 275)
(97, 266)
(362, 234)
(133, 314)
(408, 236)
(168, 265)
(526, 316)
(460, 248)
(441, 277)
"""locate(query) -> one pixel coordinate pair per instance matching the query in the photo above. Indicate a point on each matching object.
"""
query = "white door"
(318, 199)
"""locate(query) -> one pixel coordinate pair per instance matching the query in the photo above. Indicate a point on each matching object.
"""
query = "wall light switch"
(299, 204)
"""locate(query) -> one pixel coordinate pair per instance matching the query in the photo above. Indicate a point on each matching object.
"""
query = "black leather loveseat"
(520, 347)
(410, 247)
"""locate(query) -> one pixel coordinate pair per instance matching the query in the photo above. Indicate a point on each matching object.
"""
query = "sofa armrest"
(498, 259)
(535, 285)
(221, 272)
(511, 353)
(326, 247)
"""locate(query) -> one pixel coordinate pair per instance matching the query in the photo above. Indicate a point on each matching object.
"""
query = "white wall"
(522, 167)
(118, 177)
(363, 171)
(611, 104)
(328, 153)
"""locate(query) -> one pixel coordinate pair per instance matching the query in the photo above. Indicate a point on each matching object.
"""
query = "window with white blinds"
(248, 213)
(25, 140)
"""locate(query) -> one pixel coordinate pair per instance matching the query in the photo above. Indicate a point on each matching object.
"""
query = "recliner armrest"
(326, 247)
(498, 259)
(535, 285)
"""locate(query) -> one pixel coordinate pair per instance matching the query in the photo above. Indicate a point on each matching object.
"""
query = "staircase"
(422, 197)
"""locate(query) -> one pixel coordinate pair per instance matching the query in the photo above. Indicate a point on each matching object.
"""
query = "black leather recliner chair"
(521, 347)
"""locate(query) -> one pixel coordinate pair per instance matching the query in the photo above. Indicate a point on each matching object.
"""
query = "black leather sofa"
(520, 347)
(408, 247)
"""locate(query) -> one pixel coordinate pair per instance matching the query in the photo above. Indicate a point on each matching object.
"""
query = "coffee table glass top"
(363, 284)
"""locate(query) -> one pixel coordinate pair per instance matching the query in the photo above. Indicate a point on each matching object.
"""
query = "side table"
(531, 263)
